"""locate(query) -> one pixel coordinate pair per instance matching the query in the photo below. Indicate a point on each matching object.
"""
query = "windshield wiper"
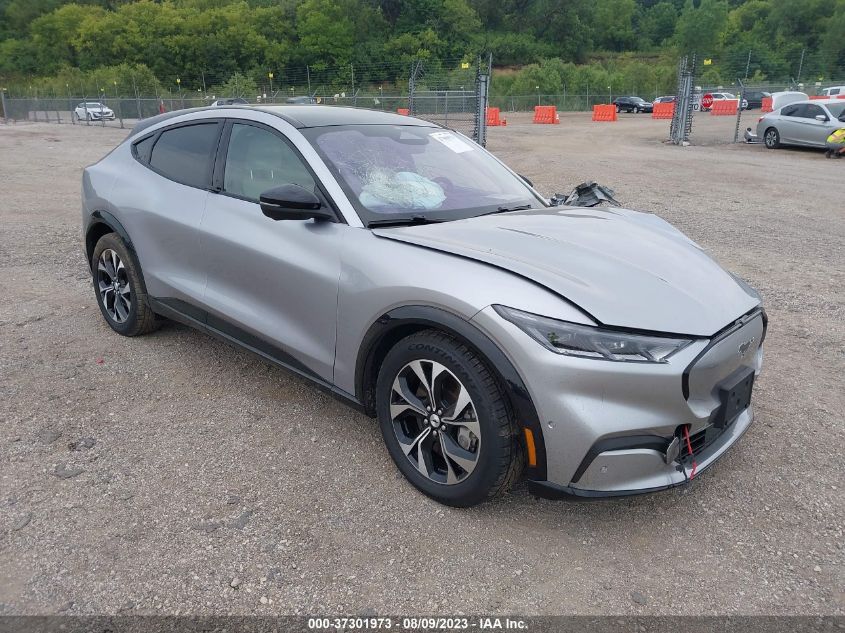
(519, 207)
(414, 219)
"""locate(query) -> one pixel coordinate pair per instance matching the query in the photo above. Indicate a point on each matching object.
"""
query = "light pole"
(537, 88)
(270, 75)
(609, 95)
(181, 98)
(381, 96)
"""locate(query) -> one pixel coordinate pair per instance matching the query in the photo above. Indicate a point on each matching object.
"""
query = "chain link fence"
(452, 93)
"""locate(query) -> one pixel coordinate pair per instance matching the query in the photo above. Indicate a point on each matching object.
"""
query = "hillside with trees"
(540, 45)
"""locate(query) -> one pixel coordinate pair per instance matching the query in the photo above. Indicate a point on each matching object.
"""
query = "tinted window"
(811, 111)
(185, 154)
(790, 110)
(143, 147)
(834, 91)
(258, 160)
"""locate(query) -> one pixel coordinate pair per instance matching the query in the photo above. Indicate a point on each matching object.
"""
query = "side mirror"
(292, 202)
(821, 117)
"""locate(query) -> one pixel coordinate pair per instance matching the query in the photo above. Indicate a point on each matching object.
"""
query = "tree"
(700, 28)
(325, 34)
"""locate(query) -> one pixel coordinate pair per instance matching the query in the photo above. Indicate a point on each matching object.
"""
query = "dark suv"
(755, 98)
(632, 104)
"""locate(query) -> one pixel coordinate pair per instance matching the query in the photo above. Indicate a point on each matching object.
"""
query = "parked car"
(92, 111)
(726, 96)
(666, 99)
(632, 104)
(754, 99)
(833, 91)
(410, 273)
(230, 101)
(807, 123)
(301, 100)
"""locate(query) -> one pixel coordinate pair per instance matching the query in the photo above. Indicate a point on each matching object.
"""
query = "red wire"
(689, 448)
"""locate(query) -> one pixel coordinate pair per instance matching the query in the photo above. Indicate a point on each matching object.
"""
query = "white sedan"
(93, 111)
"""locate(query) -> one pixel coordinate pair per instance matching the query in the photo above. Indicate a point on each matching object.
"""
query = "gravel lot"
(175, 474)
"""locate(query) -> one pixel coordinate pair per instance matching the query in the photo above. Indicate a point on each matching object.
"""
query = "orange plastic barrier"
(494, 117)
(663, 110)
(724, 107)
(841, 97)
(766, 105)
(818, 97)
(546, 114)
(604, 112)
(404, 111)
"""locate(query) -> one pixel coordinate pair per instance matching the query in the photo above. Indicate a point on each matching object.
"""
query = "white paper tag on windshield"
(452, 142)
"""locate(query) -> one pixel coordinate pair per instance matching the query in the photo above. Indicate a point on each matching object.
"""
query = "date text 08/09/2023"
(416, 623)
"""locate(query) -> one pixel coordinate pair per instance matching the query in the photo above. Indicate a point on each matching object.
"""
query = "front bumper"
(655, 474)
(607, 426)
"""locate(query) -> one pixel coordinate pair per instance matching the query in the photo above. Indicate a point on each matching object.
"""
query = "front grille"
(698, 441)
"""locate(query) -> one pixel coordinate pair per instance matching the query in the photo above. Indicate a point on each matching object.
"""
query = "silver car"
(93, 111)
(807, 123)
(401, 267)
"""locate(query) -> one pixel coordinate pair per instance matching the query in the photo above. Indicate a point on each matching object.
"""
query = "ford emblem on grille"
(743, 347)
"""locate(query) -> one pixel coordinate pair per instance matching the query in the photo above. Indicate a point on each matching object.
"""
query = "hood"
(623, 268)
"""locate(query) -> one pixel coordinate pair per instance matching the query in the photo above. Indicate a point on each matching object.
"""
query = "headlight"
(593, 342)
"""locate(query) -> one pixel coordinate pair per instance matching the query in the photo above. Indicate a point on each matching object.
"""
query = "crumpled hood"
(624, 268)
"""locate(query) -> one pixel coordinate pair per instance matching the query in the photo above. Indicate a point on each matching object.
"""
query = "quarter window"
(258, 160)
(185, 154)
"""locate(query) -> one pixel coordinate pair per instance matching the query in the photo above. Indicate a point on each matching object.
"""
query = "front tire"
(119, 288)
(771, 138)
(446, 421)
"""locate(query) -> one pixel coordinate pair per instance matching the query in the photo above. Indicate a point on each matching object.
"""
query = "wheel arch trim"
(104, 218)
(405, 319)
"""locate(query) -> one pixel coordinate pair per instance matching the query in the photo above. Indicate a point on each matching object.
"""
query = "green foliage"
(557, 43)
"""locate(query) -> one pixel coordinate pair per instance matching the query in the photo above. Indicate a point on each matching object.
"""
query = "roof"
(301, 116)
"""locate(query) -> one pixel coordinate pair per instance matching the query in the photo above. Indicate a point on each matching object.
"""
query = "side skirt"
(187, 314)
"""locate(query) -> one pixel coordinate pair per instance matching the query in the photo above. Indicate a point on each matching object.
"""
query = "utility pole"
(801, 65)
(308, 76)
(747, 65)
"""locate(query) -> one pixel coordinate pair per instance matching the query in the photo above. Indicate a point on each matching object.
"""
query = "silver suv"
(404, 269)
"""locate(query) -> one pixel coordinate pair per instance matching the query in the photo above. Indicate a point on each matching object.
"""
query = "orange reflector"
(529, 444)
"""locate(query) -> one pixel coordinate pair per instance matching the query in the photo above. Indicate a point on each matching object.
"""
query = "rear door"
(272, 285)
(788, 123)
(162, 205)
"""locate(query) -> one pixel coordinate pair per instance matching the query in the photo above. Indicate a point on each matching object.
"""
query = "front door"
(271, 284)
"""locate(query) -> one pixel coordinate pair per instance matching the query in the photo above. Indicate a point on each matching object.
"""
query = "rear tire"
(460, 445)
(771, 137)
(119, 288)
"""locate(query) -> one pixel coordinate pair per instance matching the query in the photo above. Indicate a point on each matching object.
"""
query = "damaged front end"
(587, 194)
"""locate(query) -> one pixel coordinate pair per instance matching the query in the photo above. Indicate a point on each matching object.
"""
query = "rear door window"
(186, 153)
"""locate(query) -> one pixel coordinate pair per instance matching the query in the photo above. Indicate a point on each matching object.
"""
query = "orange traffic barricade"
(766, 105)
(818, 97)
(546, 114)
(724, 107)
(494, 117)
(663, 110)
(404, 111)
(604, 112)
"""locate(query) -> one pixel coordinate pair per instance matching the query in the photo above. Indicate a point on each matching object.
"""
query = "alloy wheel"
(435, 422)
(771, 138)
(113, 286)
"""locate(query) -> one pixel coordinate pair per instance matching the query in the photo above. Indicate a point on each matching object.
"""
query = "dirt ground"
(174, 474)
